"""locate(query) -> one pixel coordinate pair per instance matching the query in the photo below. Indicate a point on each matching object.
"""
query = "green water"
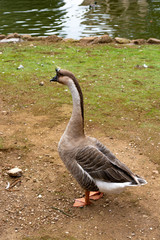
(72, 19)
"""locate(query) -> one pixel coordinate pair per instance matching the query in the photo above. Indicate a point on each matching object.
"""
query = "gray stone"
(122, 40)
(87, 40)
(2, 36)
(139, 41)
(103, 39)
(13, 35)
(26, 36)
(53, 38)
(153, 41)
(15, 172)
(6, 40)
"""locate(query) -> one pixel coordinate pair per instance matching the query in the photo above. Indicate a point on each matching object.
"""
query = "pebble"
(101, 213)
(41, 83)
(4, 112)
(145, 66)
(39, 196)
(20, 67)
(15, 172)
(155, 172)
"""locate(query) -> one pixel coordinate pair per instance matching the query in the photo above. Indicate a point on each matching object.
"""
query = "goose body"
(93, 165)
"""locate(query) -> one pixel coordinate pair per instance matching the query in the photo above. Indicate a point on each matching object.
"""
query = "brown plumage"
(93, 165)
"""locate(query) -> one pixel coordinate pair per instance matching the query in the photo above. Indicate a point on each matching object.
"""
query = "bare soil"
(39, 206)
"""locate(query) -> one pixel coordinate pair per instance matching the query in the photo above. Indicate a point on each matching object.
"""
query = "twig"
(55, 208)
(14, 183)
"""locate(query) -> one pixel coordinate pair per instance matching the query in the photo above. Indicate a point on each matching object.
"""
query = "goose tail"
(139, 180)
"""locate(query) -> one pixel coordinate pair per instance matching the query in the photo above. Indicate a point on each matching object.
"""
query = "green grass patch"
(121, 94)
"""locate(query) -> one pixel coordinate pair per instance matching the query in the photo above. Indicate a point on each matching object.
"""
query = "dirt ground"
(39, 206)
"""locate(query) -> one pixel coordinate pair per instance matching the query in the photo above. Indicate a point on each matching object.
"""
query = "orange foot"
(95, 195)
(81, 202)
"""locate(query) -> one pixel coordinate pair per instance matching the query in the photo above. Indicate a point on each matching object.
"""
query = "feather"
(92, 164)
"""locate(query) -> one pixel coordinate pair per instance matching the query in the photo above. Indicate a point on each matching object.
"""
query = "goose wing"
(104, 166)
(137, 179)
(112, 158)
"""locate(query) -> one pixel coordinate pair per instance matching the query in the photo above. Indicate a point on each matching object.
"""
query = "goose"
(92, 164)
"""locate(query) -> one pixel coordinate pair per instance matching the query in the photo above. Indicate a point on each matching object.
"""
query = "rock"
(5, 40)
(87, 40)
(26, 37)
(2, 36)
(13, 35)
(39, 38)
(70, 40)
(4, 112)
(15, 172)
(101, 213)
(139, 41)
(145, 66)
(41, 83)
(140, 67)
(122, 40)
(96, 40)
(155, 172)
(103, 39)
(36, 39)
(53, 38)
(39, 196)
(153, 41)
(20, 67)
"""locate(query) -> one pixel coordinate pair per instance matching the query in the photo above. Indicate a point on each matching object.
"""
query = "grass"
(121, 96)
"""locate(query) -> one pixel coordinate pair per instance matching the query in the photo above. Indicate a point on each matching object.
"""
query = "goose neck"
(76, 124)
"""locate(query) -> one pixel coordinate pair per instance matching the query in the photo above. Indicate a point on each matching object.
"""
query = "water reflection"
(27, 16)
(128, 18)
(74, 19)
(70, 22)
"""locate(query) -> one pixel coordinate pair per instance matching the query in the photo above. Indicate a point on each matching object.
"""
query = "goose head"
(63, 76)
(67, 78)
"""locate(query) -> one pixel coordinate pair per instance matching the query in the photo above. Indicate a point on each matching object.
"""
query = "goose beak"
(54, 79)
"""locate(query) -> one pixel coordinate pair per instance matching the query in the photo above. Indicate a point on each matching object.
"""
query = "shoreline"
(104, 39)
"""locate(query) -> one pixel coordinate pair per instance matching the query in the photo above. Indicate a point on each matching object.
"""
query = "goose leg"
(81, 202)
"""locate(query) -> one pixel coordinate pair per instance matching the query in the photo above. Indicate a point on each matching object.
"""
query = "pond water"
(74, 19)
